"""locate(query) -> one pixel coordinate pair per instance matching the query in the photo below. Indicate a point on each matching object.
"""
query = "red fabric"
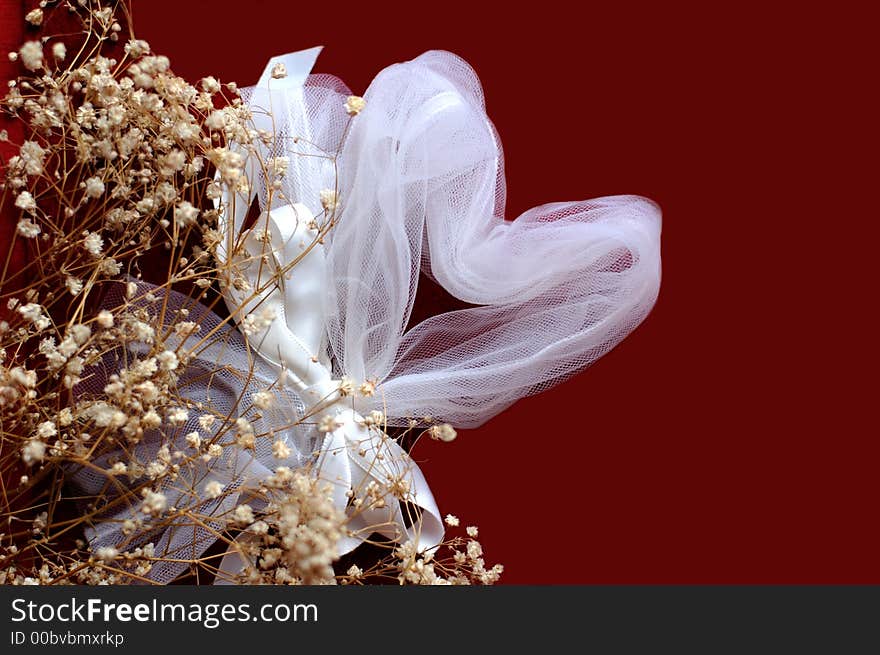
(13, 32)
(741, 451)
(750, 458)
(11, 37)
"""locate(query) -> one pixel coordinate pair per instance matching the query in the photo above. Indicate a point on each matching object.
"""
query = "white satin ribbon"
(284, 264)
(352, 456)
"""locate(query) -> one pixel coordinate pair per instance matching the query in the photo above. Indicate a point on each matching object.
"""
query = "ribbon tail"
(405, 509)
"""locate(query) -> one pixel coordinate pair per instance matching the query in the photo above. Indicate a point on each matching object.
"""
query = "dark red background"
(729, 439)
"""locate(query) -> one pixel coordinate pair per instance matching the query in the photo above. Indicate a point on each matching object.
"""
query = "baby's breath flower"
(279, 71)
(34, 16)
(346, 386)
(279, 165)
(80, 333)
(74, 285)
(329, 199)
(170, 164)
(216, 120)
(33, 452)
(451, 520)
(185, 214)
(214, 489)
(442, 432)
(354, 105)
(104, 319)
(328, 423)
(27, 228)
(65, 417)
(31, 54)
(195, 165)
(109, 267)
(210, 85)
(243, 515)
(107, 553)
(94, 187)
(155, 503)
(93, 243)
(246, 439)
(184, 329)
(472, 531)
(67, 347)
(254, 323)
(41, 522)
(167, 360)
(34, 313)
(135, 138)
(263, 399)
(105, 415)
(25, 201)
(157, 469)
(178, 415)
(193, 440)
(280, 450)
(46, 430)
(33, 157)
(375, 418)
(228, 163)
(137, 48)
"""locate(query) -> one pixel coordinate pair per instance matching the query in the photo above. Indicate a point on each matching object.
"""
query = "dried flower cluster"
(118, 190)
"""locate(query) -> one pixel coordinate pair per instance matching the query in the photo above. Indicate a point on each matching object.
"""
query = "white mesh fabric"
(222, 376)
(308, 127)
(420, 175)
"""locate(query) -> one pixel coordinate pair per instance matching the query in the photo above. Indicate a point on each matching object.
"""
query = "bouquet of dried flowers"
(112, 315)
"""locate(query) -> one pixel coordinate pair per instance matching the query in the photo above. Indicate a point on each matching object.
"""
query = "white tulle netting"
(421, 182)
(221, 377)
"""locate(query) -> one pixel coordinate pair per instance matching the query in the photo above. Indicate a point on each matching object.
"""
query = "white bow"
(351, 456)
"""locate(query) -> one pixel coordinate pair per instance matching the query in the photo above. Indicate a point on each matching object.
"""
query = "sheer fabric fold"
(421, 183)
